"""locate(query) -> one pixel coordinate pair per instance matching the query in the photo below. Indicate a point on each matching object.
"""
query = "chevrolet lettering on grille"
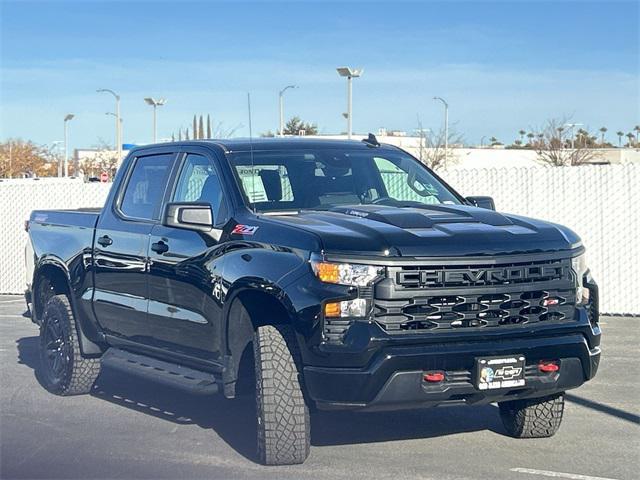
(481, 276)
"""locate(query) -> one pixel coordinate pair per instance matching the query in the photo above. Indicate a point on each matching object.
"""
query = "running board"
(164, 372)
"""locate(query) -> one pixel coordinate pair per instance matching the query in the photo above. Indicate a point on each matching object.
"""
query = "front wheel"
(283, 416)
(63, 369)
(532, 418)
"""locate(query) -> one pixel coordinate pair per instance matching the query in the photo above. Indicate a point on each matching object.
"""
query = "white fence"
(17, 199)
(600, 203)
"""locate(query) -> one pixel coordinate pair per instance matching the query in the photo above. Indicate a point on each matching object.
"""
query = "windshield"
(295, 180)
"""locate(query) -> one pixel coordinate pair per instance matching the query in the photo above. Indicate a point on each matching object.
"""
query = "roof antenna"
(371, 140)
(253, 173)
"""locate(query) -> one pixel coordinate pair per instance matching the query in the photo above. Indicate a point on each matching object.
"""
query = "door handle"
(105, 241)
(160, 247)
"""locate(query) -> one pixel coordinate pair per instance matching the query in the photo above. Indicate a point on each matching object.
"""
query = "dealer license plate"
(500, 372)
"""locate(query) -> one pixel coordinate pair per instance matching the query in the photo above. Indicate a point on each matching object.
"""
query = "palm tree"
(603, 130)
(521, 133)
(619, 133)
(637, 130)
(631, 138)
(493, 140)
(530, 136)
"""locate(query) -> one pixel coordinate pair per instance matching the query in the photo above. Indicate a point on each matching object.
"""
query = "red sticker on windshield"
(244, 230)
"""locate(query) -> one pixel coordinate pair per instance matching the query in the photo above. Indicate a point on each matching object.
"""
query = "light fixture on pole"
(281, 104)
(120, 128)
(118, 121)
(155, 104)
(446, 124)
(350, 73)
(572, 126)
(67, 118)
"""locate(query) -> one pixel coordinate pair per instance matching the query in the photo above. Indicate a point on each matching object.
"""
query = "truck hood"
(432, 230)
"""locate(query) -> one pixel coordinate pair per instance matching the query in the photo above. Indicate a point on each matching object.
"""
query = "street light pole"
(350, 73)
(446, 124)
(572, 126)
(155, 104)
(67, 118)
(118, 121)
(281, 95)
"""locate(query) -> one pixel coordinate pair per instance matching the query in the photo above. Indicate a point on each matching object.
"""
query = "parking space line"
(549, 473)
(12, 301)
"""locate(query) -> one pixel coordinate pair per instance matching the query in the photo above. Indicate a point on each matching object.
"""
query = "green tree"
(620, 134)
(603, 130)
(201, 128)
(195, 128)
(295, 126)
(522, 134)
(631, 137)
(530, 136)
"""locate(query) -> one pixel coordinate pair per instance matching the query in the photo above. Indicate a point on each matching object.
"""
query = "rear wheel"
(532, 418)
(283, 416)
(63, 370)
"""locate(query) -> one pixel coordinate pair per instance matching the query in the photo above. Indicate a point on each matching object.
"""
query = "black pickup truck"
(318, 274)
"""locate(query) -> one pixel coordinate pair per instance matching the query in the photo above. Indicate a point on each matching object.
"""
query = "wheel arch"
(249, 304)
(51, 277)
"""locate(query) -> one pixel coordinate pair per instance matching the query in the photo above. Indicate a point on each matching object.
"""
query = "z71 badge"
(244, 230)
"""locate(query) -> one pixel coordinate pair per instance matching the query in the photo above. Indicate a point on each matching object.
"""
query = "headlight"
(345, 273)
(579, 266)
(349, 274)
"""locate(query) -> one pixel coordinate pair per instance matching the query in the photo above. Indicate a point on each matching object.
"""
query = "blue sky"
(502, 66)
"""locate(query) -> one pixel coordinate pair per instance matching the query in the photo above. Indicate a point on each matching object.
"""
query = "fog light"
(349, 308)
(548, 367)
(434, 377)
(332, 309)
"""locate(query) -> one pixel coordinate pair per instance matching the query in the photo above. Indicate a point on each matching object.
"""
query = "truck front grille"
(474, 296)
(474, 310)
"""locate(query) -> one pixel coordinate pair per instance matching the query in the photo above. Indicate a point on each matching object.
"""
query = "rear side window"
(146, 185)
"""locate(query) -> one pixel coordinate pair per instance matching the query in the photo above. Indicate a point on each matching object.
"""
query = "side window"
(145, 188)
(266, 183)
(199, 182)
(397, 183)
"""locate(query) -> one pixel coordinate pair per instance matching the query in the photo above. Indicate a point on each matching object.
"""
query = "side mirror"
(188, 215)
(482, 202)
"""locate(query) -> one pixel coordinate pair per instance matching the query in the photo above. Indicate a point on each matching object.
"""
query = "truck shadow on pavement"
(234, 420)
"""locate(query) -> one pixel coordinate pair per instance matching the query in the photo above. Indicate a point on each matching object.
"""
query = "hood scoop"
(417, 217)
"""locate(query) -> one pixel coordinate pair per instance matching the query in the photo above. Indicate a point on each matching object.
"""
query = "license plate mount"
(498, 373)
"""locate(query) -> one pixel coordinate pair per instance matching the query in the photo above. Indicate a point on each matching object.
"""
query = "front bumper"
(393, 378)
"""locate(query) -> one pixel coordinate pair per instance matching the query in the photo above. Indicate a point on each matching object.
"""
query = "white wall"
(600, 203)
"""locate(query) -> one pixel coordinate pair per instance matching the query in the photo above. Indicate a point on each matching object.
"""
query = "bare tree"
(553, 148)
(431, 150)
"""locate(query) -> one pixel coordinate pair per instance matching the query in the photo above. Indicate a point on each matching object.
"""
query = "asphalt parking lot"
(131, 428)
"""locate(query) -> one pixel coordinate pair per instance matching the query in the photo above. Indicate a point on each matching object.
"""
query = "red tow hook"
(548, 366)
(433, 377)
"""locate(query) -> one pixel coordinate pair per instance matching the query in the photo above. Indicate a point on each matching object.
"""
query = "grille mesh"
(473, 310)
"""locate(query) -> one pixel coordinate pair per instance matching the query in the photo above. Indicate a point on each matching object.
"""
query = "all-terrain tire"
(532, 418)
(63, 370)
(283, 416)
